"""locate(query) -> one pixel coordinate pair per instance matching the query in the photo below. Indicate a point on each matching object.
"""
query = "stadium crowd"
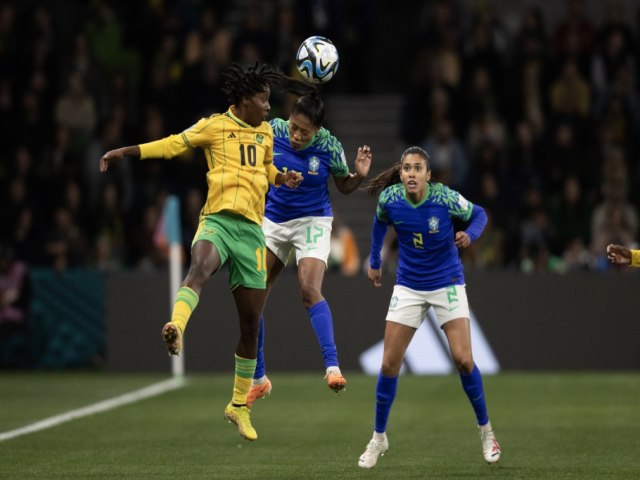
(537, 123)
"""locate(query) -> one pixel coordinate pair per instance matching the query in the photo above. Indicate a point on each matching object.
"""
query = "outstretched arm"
(118, 153)
(362, 164)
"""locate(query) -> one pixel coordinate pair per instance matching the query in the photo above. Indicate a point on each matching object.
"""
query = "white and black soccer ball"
(317, 59)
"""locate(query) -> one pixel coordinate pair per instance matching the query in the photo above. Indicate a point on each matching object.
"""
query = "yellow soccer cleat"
(258, 391)
(172, 337)
(241, 416)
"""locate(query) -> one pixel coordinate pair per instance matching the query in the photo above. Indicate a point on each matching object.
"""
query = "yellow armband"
(635, 258)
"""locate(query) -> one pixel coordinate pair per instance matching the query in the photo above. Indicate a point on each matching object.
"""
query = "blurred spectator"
(491, 196)
(535, 233)
(110, 228)
(525, 163)
(481, 97)
(531, 41)
(15, 198)
(487, 129)
(570, 94)
(565, 157)
(615, 48)
(488, 251)
(530, 99)
(106, 37)
(145, 254)
(344, 256)
(440, 22)
(65, 244)
(32, 124)
(481, 55)
(111, 136)
(254, 41)
(576, 257)
(574, 36)
(448, 159)
(614, 220)
(76, 111)
(13, 287)
(8, 39)
(80, 59)
(570, 214)
(26, 237)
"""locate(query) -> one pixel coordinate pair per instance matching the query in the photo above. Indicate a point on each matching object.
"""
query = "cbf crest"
(434, 225)
(314, 165)
(393, 303)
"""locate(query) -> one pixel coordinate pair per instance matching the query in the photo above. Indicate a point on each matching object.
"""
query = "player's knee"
(199, 272)
(249, 331)
(390, 368)
(464, 363)
(310, 294)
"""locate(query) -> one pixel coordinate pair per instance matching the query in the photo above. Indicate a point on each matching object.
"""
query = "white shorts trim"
(308, 237)
(409, 307)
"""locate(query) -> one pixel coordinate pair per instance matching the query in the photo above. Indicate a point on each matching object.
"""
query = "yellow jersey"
(240, 160)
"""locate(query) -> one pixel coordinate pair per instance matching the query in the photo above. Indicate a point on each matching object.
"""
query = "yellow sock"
(245, 369)
(184, 305)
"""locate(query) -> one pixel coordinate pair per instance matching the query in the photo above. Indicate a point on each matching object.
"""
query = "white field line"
(132, 397)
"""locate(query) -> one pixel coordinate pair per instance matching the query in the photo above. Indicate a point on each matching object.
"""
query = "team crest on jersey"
(259, 138)
(314, 165)
(434, 225)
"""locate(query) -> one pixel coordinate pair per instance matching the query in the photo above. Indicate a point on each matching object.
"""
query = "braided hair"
(391, 175)
(240, 82)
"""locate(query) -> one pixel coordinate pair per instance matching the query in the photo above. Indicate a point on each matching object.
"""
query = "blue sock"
(259, 373)
(322, 322)
(472, 385)
(386, 389)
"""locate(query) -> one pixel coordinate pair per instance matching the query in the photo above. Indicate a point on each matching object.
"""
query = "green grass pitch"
(550, 426)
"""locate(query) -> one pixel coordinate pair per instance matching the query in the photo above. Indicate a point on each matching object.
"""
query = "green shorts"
(240, 241)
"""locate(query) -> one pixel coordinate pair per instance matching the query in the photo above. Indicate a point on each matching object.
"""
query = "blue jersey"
(427, 256)
(323, 157)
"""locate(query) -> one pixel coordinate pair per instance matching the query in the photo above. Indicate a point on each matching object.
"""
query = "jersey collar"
(230, 114)
(416, 205)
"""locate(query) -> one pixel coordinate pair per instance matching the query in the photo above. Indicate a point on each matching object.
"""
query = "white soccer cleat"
(374, 449)
(490, 446)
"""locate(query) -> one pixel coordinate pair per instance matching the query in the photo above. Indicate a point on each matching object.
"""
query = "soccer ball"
(317, 59)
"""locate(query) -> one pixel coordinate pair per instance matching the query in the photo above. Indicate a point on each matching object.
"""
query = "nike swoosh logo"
(275, 154)
(451, 309)
(398, 222)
